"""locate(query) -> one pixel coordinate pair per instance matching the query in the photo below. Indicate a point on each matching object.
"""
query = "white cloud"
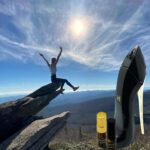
(113, 31)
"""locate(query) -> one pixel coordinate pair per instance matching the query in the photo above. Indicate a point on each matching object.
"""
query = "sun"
(78, 27)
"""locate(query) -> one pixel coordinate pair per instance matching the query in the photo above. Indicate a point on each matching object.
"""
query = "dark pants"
(60, 81)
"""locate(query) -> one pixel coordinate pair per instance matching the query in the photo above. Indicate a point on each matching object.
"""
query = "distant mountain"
(10, 98)
(84, 105)
(72, 97)
(85, 112)
(82, 96)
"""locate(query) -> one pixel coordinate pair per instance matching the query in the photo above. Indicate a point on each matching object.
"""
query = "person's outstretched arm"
(44, 58)
(57, 59)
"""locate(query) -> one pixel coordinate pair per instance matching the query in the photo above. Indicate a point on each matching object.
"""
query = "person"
(53, 69)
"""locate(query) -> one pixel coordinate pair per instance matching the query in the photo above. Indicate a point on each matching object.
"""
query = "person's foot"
(61, 91)
(75, 88)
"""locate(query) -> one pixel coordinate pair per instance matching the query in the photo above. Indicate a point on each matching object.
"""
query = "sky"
(96, 35)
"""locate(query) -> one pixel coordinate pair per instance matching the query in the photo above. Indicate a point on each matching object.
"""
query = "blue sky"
(91, 60)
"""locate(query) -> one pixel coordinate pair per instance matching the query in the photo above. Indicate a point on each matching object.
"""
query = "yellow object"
(101, 122)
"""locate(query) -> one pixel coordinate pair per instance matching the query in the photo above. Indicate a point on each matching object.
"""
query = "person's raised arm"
(57, 59)
(44, 58)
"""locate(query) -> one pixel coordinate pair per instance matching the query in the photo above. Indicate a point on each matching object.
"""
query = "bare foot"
(75, 88)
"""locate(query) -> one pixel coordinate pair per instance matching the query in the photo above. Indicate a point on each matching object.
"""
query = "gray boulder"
(37, 135)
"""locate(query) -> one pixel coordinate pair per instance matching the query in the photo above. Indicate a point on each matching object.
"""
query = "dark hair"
(53, 60)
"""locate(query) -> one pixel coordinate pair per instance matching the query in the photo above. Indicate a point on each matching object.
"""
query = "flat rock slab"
(37, 135)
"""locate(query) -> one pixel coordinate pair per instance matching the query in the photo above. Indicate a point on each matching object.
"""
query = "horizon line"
(17, 93)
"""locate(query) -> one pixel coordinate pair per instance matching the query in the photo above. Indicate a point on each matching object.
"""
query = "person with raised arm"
(53, 69)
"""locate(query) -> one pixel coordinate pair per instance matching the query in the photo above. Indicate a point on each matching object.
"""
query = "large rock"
(37, 135)
(14, 113)
(44, 90)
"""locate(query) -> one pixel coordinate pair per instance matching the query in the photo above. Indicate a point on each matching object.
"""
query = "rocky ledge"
(37, 135)
(20, 129)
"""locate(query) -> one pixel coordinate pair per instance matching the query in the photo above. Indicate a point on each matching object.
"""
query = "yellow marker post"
(102, 128)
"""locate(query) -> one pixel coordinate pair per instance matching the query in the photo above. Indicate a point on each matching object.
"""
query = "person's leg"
(63, 81)
(53, 79)
(73, 87)
(69, 84)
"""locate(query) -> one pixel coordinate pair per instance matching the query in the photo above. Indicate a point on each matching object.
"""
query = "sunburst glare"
(79, 27)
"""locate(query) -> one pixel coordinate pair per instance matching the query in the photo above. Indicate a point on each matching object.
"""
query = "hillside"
(80, 131)
(85, 112)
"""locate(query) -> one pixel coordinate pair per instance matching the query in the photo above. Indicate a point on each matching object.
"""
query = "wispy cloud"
(29, 27)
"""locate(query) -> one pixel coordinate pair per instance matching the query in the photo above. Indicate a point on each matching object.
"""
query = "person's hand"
(60, 48)
(41, 54)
